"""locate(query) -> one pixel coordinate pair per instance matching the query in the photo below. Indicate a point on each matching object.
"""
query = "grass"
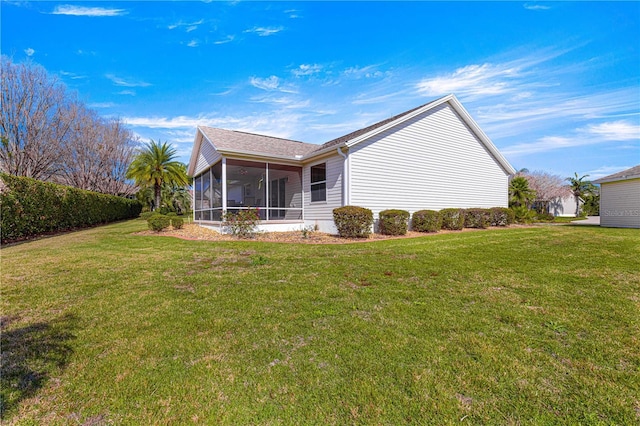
(518, 326)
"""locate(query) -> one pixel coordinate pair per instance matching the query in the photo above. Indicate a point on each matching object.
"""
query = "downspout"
(345, 177)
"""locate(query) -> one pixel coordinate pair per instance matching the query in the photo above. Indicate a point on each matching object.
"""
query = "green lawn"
(517, 326)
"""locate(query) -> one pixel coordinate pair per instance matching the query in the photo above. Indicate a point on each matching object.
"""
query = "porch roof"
(250, 143)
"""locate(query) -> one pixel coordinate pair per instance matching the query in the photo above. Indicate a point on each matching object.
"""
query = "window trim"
(320, 182)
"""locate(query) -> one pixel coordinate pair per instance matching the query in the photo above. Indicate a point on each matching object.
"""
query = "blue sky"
(555, 85)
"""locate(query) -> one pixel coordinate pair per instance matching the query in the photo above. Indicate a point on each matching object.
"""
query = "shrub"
(353, 221)
(241, 223)
(158, 222)
(452, 219)
(176, 222)
(171, 214)
(477, 218)
(544, 216)
(522, 214)
(393, 222)
(29, 207)
(426, 221)
(502, 216)
(147, 215)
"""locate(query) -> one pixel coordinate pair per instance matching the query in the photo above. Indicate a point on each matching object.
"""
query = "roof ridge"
(376, 125)
(260, 135)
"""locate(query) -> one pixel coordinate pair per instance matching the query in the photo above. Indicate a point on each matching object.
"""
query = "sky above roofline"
(555, 85)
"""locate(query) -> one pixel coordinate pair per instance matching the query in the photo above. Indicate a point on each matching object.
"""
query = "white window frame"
(312, 184)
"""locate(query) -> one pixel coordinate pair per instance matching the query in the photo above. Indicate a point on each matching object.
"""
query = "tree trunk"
(158, 196)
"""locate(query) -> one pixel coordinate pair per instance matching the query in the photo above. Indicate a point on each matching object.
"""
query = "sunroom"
(231, 185)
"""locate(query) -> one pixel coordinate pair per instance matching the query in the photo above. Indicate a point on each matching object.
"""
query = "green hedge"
(29, 207)
(426, 221)
(452, 219)
(393, 222)
(477, 218)
(502, 216)
(353, 221)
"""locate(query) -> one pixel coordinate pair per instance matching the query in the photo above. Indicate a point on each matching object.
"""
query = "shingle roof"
(252, 143)
(633, 172)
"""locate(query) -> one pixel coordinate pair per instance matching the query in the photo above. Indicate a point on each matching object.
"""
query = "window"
(319, 182)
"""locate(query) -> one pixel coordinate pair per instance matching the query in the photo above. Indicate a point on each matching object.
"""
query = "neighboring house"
(565, 206)
(620, 199)
(432, 157)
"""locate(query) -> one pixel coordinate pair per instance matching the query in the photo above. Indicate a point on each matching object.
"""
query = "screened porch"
(232, 185)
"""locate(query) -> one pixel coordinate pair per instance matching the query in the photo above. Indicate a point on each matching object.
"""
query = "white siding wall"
(620, 204)
(433, 161)
(322, 212)
(564, 206)
(206, 157)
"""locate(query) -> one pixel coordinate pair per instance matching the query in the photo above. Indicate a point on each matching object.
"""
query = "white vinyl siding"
(323, 210)
(432, 161)
(206, 157)
(620, 204)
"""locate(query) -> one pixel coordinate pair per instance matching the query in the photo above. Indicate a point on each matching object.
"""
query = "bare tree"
(48, 134)
(35, 118)
(548, 187)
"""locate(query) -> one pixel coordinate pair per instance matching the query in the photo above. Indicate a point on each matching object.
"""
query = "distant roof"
(632, 173)
(233, 140)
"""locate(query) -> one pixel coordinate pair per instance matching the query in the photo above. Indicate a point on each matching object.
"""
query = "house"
(564, 206)
(620, 199)
(434, 156)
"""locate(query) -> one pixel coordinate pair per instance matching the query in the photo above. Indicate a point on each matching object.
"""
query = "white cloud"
(306, 69)
(265, 31)
(615, 130)
(101, 105)
(118, 81)
(269, 83)
(188, 26)
(485, 79)
(86, 11)
(369, 71)
(193, 43)
(531, 6)
(605, 171)
(126, 92)
(72, 75)
(29, 51)
(225, 40)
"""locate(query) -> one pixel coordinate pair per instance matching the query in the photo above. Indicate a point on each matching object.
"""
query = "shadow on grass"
(29, 355)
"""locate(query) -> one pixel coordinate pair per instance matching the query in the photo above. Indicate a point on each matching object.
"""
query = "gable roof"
(251, 143)
(632, 173)
(237, 142)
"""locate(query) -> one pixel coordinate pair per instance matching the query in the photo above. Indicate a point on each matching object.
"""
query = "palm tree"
(519, 192)
(155, 166)
(578, 188)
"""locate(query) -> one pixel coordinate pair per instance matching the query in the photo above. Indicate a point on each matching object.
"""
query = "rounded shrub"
(177, 222)
(426, 221)
(393, 222)
(477, 218)
(158, 222)
(452, 219)
(353, 221)
(502, 216)
(147, 215)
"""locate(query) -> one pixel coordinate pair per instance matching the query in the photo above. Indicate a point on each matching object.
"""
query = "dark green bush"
(522, 214)
(501, 216)
(544, 216)
(177, 222)
(426, 221)
(158, 222)
(353, 221)
(477, 218)
(393, 222)
(147, 215)
(452, 219)
(29, 207)
(171, 214)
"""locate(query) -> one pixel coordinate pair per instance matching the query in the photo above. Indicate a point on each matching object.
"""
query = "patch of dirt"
(191, 231)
